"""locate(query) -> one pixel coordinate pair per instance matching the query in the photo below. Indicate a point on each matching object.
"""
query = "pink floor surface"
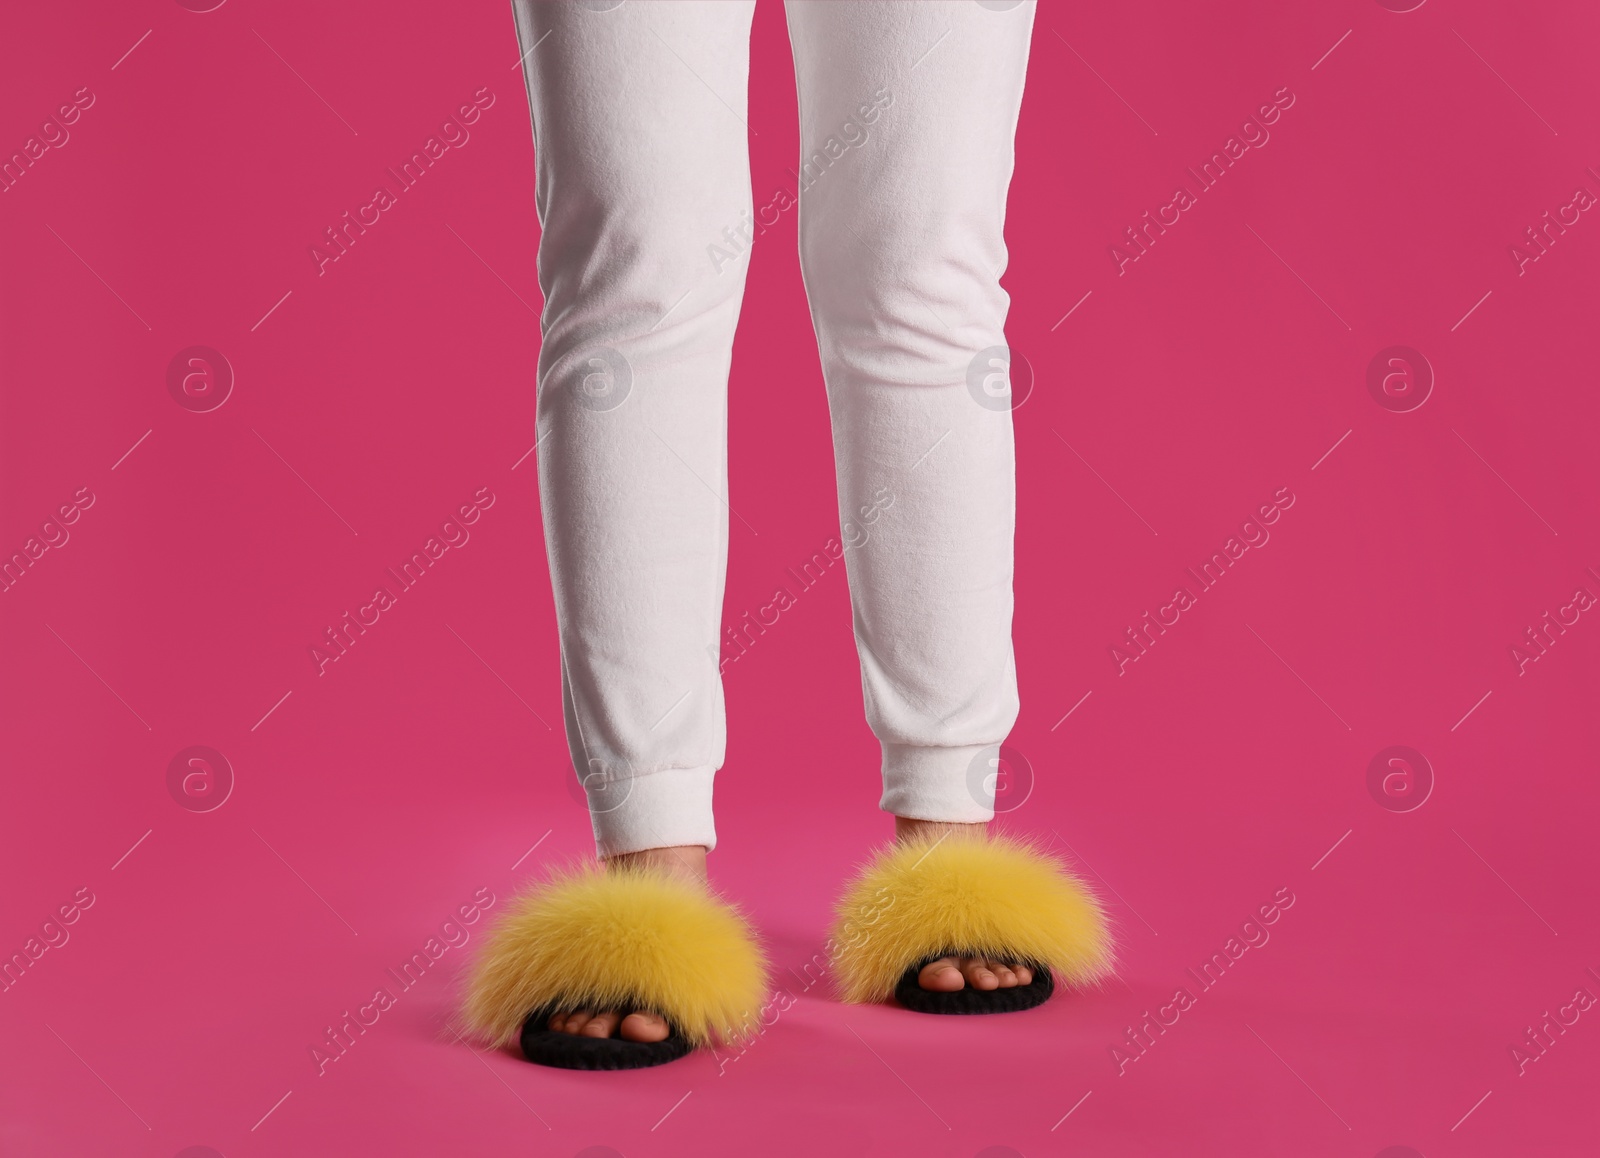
(1428, 990)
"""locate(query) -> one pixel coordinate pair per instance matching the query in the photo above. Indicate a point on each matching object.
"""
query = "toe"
(643, 1027)
(941, 976)
(1024, 975)
(978, 973)
(576, 1021)
(1004, 974)
(601, 1024)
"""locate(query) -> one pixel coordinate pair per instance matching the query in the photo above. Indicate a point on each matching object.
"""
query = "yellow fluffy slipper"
(639, 939)
(963, 896)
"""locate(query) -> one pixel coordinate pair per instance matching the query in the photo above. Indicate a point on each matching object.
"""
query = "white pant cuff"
(955, 785)
(662, 809)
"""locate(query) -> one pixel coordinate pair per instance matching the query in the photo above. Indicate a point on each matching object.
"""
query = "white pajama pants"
(907, 117)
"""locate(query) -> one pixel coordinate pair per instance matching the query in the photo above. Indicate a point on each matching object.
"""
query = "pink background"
(1228, 763)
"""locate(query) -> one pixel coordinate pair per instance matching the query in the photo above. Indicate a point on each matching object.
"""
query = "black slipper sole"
(969, 1000)
(570, 1051)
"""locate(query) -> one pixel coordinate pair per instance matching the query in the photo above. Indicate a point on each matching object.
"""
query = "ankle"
(687, 861)
(907, 829)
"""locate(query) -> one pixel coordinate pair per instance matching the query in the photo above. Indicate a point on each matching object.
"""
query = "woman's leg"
(639, 132)
(642, 165)
(908, 113)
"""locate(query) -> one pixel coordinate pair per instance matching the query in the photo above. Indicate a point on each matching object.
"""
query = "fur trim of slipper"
(639, 938)
(995, 896)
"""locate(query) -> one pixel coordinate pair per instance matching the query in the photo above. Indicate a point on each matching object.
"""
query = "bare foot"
(687, 861)
(948, 974)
